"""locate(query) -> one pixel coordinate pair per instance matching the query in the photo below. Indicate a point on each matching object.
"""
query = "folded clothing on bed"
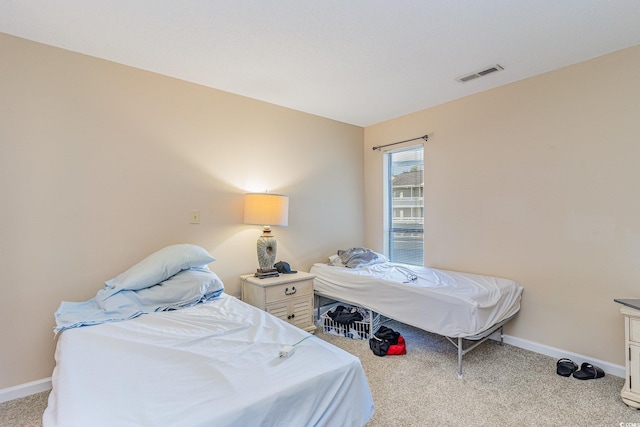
(359, 257)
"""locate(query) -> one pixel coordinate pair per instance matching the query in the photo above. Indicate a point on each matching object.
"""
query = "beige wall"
(100, 165)
(536, 181)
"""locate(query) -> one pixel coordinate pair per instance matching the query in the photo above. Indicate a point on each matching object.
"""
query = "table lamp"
(266, 209)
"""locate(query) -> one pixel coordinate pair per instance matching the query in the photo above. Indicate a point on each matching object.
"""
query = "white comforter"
(449, 303)
(214, 364)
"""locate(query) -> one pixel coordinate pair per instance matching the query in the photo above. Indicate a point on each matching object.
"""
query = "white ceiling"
(356, 61)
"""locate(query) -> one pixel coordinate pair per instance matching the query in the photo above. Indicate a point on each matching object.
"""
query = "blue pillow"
(159, 266)
(184, 289)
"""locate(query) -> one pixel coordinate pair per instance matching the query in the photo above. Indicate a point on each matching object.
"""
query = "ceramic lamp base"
(267, 248)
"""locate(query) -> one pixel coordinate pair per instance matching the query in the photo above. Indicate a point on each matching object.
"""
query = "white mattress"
(447, 303)
(213, 364)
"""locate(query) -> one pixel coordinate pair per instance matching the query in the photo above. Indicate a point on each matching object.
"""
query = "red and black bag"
(386, 341)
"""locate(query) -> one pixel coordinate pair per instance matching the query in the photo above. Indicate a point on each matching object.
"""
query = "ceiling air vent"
(482, 73)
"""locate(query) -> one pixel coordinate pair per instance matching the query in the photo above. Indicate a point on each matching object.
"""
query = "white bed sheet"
(445, 302)
(212, 364)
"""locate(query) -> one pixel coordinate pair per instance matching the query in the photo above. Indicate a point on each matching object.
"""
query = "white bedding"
(214, 364)
(448, 303)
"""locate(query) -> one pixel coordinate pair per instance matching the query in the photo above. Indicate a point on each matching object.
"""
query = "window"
(404, 201)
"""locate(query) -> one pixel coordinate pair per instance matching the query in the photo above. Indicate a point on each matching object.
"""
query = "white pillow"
(161, 265)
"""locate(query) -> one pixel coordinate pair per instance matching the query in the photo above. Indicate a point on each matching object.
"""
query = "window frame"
(388, 196)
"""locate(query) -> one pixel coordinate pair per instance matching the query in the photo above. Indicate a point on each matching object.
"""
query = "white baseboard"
(26, 389)
(556, 353)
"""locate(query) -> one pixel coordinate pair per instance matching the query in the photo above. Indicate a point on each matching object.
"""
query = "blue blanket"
(184, 289)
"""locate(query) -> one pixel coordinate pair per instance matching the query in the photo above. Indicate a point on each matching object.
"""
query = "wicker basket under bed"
(358, 330)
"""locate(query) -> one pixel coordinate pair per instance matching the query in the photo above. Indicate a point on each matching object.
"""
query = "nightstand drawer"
(289, 290)
(634, 329)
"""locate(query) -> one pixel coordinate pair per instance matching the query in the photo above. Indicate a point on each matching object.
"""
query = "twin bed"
(458, 306)
(209, 360)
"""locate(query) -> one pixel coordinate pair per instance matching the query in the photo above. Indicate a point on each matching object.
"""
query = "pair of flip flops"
(567, 367)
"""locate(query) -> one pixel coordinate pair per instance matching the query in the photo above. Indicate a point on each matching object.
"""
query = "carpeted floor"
(502, 386)
(25, 412)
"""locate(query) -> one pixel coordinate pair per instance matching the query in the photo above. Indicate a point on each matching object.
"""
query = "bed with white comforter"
(448, 303)
(454, 304)
(213, 362)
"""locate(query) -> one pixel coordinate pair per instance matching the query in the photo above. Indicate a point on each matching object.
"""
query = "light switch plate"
(194, 217)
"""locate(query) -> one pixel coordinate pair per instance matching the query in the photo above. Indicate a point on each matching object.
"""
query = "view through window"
(405, 205)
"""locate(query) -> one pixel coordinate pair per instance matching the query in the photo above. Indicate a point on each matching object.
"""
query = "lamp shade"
(266, 209)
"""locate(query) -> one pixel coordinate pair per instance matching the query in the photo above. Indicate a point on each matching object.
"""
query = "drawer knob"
(287, 292)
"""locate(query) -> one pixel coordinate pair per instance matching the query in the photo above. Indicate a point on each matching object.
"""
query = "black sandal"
(588, 372)
(565, 367)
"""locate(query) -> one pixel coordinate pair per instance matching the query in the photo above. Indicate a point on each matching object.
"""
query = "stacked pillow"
(159, 266)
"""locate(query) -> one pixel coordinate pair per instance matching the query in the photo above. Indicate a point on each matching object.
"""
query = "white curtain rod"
(425, 137)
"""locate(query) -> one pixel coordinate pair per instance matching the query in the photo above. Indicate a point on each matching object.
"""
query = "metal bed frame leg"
(460, 353)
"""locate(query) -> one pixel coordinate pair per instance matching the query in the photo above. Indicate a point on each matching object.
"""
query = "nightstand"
(288, 297)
